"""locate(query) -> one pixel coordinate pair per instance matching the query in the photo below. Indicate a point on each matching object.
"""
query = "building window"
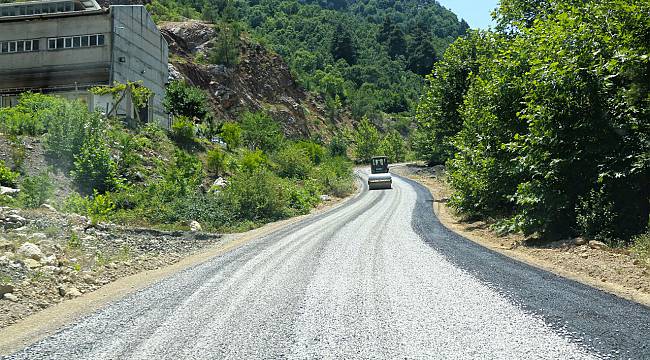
(68, 43)
(100, 40)
(12, 46)
(59, 43)
(76, 41)
(85, 40)
(51, 44)
(93, 40)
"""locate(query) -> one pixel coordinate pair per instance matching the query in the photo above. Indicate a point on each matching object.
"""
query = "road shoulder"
(609, 270)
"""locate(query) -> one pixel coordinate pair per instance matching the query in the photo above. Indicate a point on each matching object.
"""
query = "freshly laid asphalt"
(376, 278)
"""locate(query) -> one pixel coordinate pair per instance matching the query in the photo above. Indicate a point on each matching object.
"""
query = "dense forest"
(366, 56)
(544, 123)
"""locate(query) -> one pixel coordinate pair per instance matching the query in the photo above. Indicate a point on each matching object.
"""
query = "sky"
(475, 12)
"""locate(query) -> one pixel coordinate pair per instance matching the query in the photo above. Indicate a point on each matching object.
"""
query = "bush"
(216, 161)
(7, 177)
(293, 162)
(335, 176)
(32, 115)
(73, 126)
(338, 146)
(231, 133)
(261, 132)
(314, 151)
(183, 130)
(94, 169)
(258, 196)
(182, 99)
(35, 190)
(253, 160)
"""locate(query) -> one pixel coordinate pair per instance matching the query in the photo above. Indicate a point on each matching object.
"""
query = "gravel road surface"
(377, 277)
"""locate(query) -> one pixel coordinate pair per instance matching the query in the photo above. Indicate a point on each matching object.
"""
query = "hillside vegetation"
(544, 123)
(147, 176)
(368, 57)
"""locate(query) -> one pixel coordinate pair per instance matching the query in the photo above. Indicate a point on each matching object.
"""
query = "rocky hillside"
(261, 81)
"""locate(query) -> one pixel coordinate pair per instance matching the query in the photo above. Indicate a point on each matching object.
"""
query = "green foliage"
(183, 176)
(261, 132)
(338, 146)
(183, 131)
(256, 196)
(182, 99)
(545, 123)
(32, 115)
(73, 126)
(226, 48)
(335, 176)
(343, 46)
(367, 141)
(438, 115)
(35, 190)
(252, 160)
(216, 161)
(100, 207)
(94, 168)
(231, 133)
(393, 146)
(7, 177)
(314, 151)
(293, 162)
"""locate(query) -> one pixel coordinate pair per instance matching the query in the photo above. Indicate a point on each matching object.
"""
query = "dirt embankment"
(613, 270)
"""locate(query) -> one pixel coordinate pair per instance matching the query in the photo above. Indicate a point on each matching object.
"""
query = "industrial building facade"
(65, 47)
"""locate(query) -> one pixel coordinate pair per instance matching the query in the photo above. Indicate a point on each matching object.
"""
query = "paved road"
(376, 278)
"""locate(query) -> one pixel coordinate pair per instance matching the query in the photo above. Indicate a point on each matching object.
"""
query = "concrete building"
(65, 47)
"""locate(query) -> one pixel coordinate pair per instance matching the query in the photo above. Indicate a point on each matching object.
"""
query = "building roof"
(46, 8)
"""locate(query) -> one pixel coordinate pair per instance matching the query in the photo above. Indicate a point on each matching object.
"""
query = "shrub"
(257, 196)
(595, 216)
(293, 162)
(253, 160)
(35, 190)
(314, 151)
(216, 161)
(32, 115)
(7, 177)
(183, 130)
(182, 99)
(72, 127)
(260, 131)
(338, 146)
(335, 176)
(94, 169)
(100, 207)
(183, 176)
(231, 133)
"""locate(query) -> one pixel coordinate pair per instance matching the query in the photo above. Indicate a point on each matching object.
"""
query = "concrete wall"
(53, 68)
(140, 53)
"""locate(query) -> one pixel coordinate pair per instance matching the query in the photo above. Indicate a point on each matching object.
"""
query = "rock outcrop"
(261, 81)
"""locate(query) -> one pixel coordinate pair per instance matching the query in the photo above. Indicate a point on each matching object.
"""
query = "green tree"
(343, 46)
(260, 131)
(226, 45)
(182, 99)
(366, 141)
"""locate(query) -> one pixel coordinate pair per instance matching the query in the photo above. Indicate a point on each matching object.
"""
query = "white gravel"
(356, 283)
